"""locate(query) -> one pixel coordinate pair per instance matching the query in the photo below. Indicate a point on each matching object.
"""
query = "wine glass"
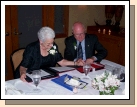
(86, 70)
(119, 72)
(36, 77)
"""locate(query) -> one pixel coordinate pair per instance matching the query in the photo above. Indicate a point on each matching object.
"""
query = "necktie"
(80, 53)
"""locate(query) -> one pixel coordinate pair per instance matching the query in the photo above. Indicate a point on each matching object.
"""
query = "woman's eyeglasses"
(46, 45)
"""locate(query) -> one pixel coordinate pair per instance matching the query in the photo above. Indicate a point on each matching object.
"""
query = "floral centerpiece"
(53, 50)
(106, 83)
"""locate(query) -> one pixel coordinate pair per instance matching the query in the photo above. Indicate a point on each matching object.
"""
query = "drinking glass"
(36, 77)
(109, 67)
(119, 72)
(86, 70)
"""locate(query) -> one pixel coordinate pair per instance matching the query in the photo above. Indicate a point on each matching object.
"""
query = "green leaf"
(74, 43)
(95, 79)
(101, 93)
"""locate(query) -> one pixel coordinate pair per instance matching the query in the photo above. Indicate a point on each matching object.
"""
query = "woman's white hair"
(45, 33)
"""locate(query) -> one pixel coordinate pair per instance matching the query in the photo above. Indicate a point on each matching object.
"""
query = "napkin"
(11, 90)
(73, 82)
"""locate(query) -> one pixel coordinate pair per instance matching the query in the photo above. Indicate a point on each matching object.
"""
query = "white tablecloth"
(48, 87)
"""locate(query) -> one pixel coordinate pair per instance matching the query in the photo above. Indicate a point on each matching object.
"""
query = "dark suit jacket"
(91, 44)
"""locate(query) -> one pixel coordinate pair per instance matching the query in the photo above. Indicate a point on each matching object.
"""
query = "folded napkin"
(11, 90)
(73, 82)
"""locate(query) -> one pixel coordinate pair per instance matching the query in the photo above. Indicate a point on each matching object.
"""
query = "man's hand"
(89, 60)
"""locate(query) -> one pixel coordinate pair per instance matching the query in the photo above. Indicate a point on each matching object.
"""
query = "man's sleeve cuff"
(94, 58)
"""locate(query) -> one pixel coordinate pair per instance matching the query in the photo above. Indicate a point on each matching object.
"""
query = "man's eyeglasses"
(79, 34)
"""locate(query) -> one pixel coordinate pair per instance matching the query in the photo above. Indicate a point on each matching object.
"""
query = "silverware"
(76, 78)
(66, 79)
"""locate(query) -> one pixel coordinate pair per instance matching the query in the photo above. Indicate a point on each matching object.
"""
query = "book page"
(61, 69)
(43, 73)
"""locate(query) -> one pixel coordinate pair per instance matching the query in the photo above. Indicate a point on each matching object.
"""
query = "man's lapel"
(74, 48)
(87, 46)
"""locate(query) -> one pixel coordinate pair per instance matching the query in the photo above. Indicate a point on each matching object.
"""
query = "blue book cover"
(60, 81)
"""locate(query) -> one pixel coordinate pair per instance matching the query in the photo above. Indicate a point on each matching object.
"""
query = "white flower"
(107, 91)
(103, 74)
(75, 47)
(101, 86)
(110, 74)
(98, 78)
(114, 76)
(93, 82)
(117, 82)
(106, 82)
(53, 50)
(54, 47)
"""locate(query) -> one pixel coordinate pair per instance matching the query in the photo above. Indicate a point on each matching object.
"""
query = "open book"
(62, 69)
(45, 74)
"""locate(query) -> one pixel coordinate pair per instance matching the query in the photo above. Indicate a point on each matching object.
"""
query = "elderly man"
(82, 46)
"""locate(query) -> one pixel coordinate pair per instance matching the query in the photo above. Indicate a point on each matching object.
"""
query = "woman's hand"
(23, 76)
(80, 62)
(23, 73)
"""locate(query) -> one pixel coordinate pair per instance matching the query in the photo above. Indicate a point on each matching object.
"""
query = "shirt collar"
(82, 42)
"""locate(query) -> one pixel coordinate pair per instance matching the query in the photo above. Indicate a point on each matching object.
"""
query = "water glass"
(119, 72)
(86, 68)
(36, 77)
(109, 67)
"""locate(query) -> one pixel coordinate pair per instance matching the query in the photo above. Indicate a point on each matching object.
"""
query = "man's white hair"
(78, 23)
(45, 33)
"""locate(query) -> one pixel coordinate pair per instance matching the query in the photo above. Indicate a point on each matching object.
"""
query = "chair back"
(16, 57)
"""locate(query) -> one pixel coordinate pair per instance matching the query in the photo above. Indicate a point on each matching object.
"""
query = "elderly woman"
(42, 53)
